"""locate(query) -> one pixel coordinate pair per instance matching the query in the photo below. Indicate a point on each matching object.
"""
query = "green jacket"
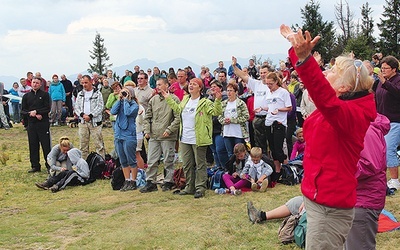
(242, 116)
(205, 110)
(161, 118)
(112, 98)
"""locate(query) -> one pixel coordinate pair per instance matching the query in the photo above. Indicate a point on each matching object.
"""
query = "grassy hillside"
(96, 217)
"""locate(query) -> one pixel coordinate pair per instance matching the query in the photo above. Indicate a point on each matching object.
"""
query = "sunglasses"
(358, 64)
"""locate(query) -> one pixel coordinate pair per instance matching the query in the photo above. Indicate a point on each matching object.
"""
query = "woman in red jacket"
(335, 135)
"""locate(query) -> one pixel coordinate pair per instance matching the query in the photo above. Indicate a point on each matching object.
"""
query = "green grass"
(96, 217)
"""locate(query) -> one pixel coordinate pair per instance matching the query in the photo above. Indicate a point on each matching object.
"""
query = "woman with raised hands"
(335, 135)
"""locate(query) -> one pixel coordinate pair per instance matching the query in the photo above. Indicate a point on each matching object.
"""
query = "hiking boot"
(124, 187)
(149, 187)
(198, 194)
(167, 186)
(264, 185)
(392, 184)
(45, 185)
(254, 186)
(253, 213)
(54, 189)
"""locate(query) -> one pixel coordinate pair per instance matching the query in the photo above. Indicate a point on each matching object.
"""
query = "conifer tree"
(99, 55)
(390, 28)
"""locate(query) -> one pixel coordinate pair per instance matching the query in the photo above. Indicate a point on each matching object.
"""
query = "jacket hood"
(74, 155)
(382, 123)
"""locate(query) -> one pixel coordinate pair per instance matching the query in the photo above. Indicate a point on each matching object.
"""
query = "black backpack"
(291, 174)
(97, 165)
(117, 179)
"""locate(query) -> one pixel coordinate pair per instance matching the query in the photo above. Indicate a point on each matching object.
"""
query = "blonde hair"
(347, 71)
(275, 77)
(256, 152)
(64, 141)
(299, 131)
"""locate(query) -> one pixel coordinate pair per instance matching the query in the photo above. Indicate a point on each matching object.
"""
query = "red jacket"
(335, 135)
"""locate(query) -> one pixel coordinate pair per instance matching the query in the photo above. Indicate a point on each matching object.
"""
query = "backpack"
(141, 178)
(96, 166)
(179, 178)
(287, 228)
(109, 167)
(300, 231)
(291, 174)
(216, 180)
(117, 179)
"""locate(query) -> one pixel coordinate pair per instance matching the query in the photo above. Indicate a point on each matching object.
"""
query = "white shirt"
(260, 91)
(86, 102)
(277, 99)
(232, 129)
(189, 122)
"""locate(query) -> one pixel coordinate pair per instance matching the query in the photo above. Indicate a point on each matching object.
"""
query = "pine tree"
(312, 21)
(390, 28)
(367, 25)
(99, 54)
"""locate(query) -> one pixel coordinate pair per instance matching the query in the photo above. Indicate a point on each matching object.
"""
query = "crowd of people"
(338, 113)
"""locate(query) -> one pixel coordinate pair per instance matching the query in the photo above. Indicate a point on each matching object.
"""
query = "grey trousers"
(327, 227)
(156, 148)
(195, 167)
(363, 231)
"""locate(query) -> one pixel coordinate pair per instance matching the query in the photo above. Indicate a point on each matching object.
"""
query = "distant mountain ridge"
(145, 63)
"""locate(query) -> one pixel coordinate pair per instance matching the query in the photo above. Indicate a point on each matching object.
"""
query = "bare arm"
(238, 71)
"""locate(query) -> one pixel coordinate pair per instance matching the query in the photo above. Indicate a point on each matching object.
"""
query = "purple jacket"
(371, 173)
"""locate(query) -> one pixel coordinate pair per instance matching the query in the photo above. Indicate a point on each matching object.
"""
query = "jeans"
(230, 143)
(219, 150)
(16, 108)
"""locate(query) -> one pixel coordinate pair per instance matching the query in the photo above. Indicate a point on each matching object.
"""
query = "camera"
(124, 94)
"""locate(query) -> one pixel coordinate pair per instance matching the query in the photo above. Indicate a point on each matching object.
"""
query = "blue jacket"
(12, 91)
(57, 91)
(125, 124)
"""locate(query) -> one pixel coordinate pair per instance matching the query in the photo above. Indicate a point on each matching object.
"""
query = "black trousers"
(68, 103)
(260, 135)
(38, 134)
(276, 134)
(66, 178)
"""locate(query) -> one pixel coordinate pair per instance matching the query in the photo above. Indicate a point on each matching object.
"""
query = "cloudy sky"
(54, 36)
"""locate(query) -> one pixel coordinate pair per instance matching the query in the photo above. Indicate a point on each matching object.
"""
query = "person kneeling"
(75, 177)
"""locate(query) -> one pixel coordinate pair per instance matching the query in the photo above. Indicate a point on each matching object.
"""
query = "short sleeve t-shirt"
(189, 122)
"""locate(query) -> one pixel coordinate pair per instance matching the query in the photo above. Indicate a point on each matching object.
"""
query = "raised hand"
(301, 43)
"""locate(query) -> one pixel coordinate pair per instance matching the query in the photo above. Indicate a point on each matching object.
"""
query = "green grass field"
(96, 217)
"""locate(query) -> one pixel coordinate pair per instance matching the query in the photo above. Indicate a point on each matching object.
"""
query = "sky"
(55, 36)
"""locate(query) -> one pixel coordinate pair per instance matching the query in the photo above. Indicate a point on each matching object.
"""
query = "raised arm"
(238, 71)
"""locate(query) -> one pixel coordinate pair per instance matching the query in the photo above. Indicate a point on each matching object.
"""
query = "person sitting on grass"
(293, 206)
(58, 158)
(77, 176)
(234, 168)
(257, 171)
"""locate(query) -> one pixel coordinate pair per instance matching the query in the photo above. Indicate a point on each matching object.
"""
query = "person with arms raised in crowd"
(345, 108)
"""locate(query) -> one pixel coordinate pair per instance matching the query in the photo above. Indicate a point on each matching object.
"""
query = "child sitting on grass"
(257, 171)
(299, 146)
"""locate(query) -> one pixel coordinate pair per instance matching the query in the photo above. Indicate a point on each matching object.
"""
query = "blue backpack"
(216, 180)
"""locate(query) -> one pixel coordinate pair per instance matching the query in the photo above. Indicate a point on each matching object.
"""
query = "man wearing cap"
(89, 107)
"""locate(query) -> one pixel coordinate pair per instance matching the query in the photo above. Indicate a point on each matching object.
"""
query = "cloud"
(116, 23)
